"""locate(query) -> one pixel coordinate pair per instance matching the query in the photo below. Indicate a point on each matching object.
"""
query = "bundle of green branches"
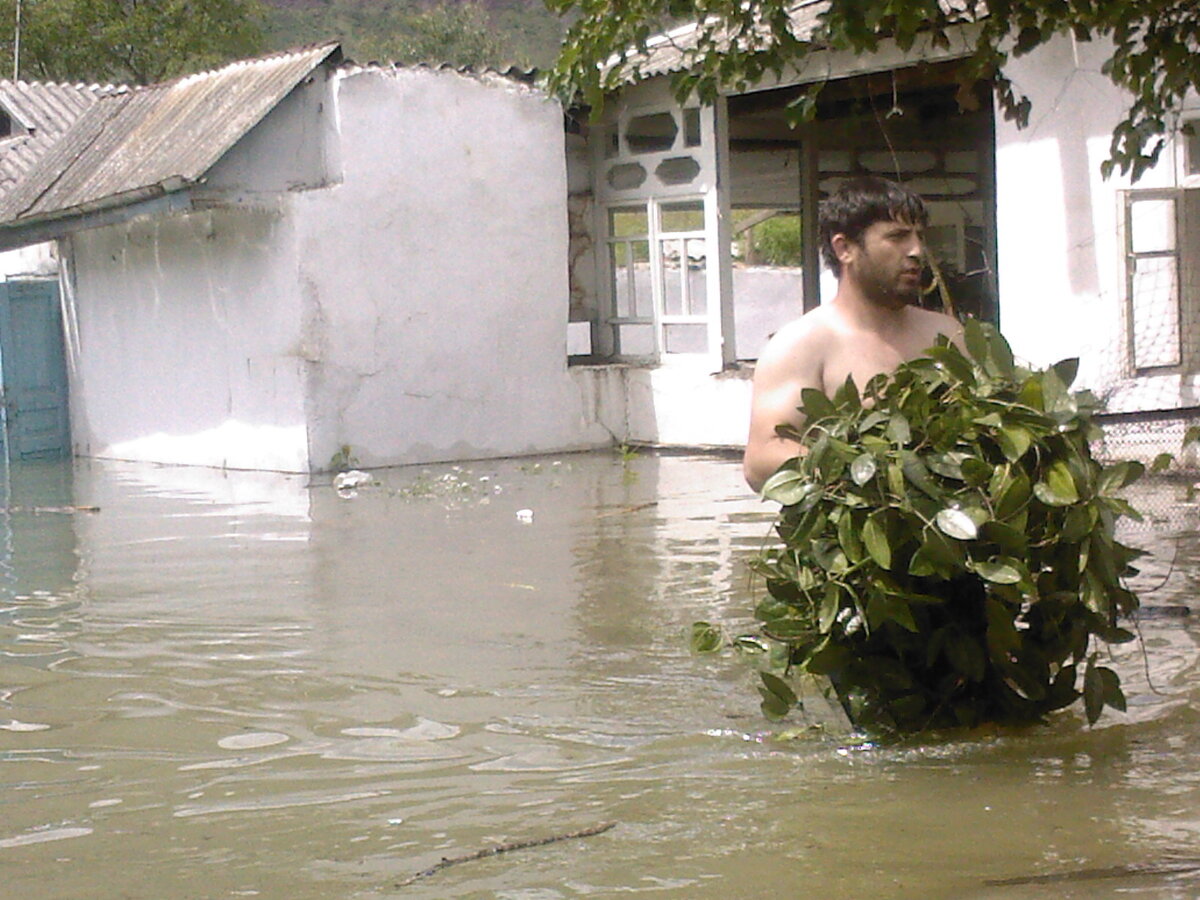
(948, 554)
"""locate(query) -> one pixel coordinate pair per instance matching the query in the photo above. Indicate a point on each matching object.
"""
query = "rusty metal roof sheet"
(139, 142)
(669, 52)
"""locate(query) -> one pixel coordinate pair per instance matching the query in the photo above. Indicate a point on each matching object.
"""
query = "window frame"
(1131, 257)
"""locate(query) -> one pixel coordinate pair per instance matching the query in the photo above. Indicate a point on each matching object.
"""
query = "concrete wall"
(1061, 269)
(437, 271)
(399, 289)
(184, 345)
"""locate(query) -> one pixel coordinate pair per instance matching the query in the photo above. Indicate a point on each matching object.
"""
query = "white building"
(294, 258)
(289, 259)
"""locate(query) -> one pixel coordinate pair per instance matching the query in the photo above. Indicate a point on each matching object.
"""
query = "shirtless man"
(870, 233)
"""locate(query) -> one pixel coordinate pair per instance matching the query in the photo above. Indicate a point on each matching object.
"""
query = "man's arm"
(790, 363)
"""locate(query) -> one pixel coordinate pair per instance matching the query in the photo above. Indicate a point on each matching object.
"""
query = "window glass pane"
(651, 133)
(630, 279)
(677, 170)
(685, 338)
(626, 221)
(1152, 225)
(691, 127)
(685, 216)
(1155, 293)
(1193, 147)
(684, 277)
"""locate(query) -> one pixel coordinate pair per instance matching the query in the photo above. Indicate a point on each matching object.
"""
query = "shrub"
(948, 553)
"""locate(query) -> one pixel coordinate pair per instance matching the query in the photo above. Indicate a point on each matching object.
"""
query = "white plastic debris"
(525, 516)
(348, 481)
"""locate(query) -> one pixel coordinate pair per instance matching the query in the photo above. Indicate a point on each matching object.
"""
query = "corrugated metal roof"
(41, 112)
(669, 52)
(147, 140)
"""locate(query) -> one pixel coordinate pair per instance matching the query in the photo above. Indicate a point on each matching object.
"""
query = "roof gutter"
(166, 197)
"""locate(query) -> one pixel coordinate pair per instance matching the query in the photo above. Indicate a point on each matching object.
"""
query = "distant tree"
(131, 41)
(1155, 49)
(460, 34)
(470, 33)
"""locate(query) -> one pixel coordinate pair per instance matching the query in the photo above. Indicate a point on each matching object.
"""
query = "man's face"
(886, 262)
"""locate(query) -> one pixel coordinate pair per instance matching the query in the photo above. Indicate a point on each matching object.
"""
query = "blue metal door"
(33, 372)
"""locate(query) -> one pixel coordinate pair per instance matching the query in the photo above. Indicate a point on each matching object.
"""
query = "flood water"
(224, 685)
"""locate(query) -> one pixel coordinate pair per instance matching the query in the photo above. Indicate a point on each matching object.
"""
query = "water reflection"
(251, 684)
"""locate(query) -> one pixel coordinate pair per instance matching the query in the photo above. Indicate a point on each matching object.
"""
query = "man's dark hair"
(858, 204)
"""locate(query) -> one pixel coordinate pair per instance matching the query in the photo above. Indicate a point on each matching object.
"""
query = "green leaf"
(830, 657)
(788, 487)
(816, 405)
(1002, 570)
(862, 469)
(966, 656)
(849, 538)
(948, 465)
(918, 475)
(1078, 524)
(1014, 441)
(1059, 487)
(1066, 370)
(706, 637)
(957, 524)
(976, 340)
(1000, 355)
(831, 603)
(778, 687)
(1111, 688)
(1118, 476)
(952, 360)
(1161, 463)
(846, 396)
(899, 431)
(1011, 540)
(1093, 693)
(976, 472)
(876, 538)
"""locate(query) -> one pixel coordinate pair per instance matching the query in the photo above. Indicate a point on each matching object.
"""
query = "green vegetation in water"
(948, 554)
(342, 461)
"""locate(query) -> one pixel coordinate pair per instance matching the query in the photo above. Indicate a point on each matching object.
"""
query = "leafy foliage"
(738, 42)
(778, 241)
(130, 41)
(472, 32)
(948, 553)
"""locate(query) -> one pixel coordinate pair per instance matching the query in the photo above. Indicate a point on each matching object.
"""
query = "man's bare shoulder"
(800, 335)
(930, 324)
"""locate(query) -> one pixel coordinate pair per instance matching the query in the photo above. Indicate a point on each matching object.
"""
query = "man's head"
(858, 204)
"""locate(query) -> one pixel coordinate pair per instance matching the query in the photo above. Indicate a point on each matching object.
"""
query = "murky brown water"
(238, 685)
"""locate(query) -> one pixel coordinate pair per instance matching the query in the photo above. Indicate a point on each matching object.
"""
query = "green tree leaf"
(862, 469)
(876, 539)
(956, 524)
(1000, 571)
(706, 637)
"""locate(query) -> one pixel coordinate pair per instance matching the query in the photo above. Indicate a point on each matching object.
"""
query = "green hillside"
(498, 33)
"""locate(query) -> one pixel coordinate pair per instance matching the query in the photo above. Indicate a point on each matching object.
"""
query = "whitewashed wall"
(183, 342)
(1059, 225)
(436, 274)
(407, 297)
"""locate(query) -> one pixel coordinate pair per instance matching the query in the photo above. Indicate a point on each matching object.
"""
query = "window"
(1162, 261)
(656, 193)
(1191, 152)
(658, 266)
